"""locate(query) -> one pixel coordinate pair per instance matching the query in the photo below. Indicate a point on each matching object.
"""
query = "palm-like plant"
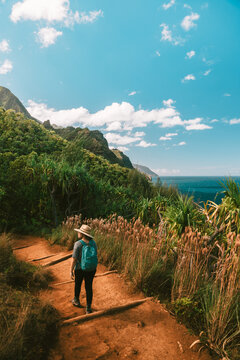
(183, 213)
(227, 214)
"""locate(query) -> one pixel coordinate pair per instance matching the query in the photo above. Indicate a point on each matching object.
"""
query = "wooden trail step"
(51, 263)
(44, 257)
(21, 247)
(98, 275)
(110, 311)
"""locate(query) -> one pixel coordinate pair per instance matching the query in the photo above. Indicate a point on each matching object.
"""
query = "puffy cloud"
(190, 54)
(120, 139)
(169, 102)
(195, 124)
(145, 144)
(132, 93)
(6, 67)
(51, 11)
(186, 6)
(226, 94)
(166, 33)
(168, 5)
(188, 21)
(206, 73)
(158, 53)
(234, 121)
(47, 36)
(167, 36)
(116, 116)
(4, 46)
(188, 77)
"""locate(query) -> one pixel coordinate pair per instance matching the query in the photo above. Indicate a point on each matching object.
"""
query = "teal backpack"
(89, 258)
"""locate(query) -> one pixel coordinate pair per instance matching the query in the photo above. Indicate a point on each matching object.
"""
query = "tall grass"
(198, 274)
(28, 328)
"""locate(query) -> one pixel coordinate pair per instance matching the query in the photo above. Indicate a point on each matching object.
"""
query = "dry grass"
(28, 328)
(186, 268)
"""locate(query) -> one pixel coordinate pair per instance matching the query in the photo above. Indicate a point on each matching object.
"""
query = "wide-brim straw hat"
(86, 230)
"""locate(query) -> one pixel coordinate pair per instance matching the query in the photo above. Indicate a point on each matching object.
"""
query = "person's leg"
(78, 284)
(88, 276)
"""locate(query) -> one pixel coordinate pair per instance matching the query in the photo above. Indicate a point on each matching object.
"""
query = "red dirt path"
(147, 332)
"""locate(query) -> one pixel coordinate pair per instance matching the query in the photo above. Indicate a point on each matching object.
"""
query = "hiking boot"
(88, 310)
(76, 302)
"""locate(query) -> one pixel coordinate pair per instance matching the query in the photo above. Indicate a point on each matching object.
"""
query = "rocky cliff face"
(9, 101)
(92, 140)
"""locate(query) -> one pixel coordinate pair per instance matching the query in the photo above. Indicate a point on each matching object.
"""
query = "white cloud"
(182, 143)
(6, 67)
(167, 172)
(188, 21)
(188, 77)
(166, 33)
(167, 36)
(47, 36)
(165, 138)
(169, 102)
(145, 144)
(190, 54)
(195, 124)
(122, 116)
(132, 93)
(234, 121)
(171, 134)
(158, 53)
(168, 5)
(214, 121)
(4, 46)
(84, 18)
(120, 140)
(206, 73)
(168, 137)
(115, 117)
(226, 94)
(51, 11)
(122, 148)
(139, 134)
(186, 6)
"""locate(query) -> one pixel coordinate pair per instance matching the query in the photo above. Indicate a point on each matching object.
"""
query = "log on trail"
(57, 261)
(110, 311)
(98, 275)
(21, 247)
(44, 257)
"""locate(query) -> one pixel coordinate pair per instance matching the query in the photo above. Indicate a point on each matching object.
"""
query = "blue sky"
(160, 79)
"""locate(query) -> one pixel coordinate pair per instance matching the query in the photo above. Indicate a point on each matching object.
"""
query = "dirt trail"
(147, 332)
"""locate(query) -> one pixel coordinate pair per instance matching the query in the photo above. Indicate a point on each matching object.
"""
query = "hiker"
(84, 264)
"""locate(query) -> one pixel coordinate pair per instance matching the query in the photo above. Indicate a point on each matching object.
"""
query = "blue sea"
(202, 188)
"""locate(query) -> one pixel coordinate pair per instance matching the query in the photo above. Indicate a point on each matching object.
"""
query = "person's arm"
(74, 260)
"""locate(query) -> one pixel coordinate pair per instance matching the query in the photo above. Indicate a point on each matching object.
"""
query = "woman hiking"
(84, 264)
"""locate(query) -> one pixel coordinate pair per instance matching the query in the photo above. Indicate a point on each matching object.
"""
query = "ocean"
(202, 188)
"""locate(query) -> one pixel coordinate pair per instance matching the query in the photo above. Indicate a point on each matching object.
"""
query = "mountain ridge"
(9, 101)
